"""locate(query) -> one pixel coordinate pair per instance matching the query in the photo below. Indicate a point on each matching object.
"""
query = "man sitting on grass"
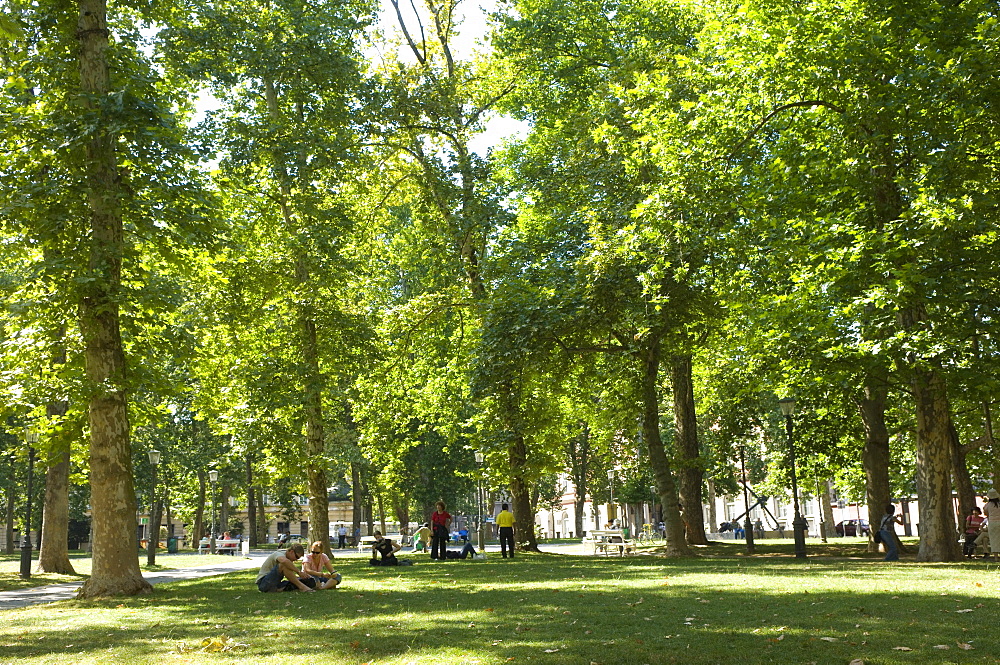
(281, 565)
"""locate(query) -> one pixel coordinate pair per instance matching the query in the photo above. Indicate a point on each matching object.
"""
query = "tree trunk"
(579, 449)
(520, 495)
(357, 498)
(262, 528)
(691, 471)
(53, 557)
(8, 543)
(115, 568)
(963, 482)
(937, 514)
(224, 508)
(713, 516)
(875, 456)
(252, 530)
(199, 511)
(666, 487)
(826, 494)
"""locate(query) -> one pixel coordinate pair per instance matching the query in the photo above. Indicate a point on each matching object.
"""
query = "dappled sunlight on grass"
(543, 608)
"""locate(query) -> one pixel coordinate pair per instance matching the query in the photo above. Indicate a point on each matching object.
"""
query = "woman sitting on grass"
(386, 548)
(317, 564)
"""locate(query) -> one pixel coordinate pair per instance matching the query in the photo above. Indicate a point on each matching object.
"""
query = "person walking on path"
(505, 522)
(992, 512)
(282, 565)
(441, 526)
(887, 529)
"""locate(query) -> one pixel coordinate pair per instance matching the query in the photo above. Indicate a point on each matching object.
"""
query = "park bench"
(366, 542)
(606, 542)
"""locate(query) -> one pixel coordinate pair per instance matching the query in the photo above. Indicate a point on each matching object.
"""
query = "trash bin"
(172, 545)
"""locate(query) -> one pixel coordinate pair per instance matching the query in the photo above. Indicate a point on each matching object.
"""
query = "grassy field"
(10, 567)
(720, 607)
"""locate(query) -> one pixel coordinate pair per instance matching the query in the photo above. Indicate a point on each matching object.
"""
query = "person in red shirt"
(441, 530)
(973, 525)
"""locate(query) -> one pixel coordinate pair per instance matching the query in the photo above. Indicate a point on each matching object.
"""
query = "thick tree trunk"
(666, 487)
(115, 568)
(875, 456)
(54, 554)
(520, 495)
(937, 514)
(691, 471)
(262, 528)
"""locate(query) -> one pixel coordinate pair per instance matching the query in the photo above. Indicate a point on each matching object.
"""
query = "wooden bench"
(366, 542)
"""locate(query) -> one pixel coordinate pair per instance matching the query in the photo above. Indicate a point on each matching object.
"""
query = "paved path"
(53, 592)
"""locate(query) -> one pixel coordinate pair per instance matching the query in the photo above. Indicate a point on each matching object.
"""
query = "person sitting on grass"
(386, 548)
(317, 564)
(278, 572)
(422, 538)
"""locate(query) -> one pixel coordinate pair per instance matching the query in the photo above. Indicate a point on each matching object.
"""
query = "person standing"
(887, 530)
(973, 525)
(441, 526)
(505, 522)
(992, 511)
(342, 537)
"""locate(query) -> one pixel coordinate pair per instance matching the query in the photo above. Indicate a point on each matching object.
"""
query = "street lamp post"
(611, 505)
(154, 516)
(799, 525)
(31, 438)
(213, 476)
(480, 458)
(747, 525)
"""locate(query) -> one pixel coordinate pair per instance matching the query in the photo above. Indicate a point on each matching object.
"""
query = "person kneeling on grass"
(386, 548)
(278, 572)
(317, 564)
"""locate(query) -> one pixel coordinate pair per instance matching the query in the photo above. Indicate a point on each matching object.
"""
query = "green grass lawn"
(721, 607)
(10, 568)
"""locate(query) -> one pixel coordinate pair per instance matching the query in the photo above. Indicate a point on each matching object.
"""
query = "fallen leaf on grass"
(943, 647)
(902, 649)
(550, 650)
(963, 611)
(856, 661)
(963, 645)
(829, 639)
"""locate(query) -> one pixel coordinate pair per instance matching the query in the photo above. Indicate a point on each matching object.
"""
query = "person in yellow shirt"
(505, 522)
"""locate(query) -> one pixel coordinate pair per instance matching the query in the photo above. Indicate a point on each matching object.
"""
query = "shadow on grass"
(551, 608)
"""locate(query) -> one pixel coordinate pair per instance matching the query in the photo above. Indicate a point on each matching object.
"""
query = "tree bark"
(875, 456)
(713, 517)
(53, 557)
(520, 495)
(826, 494)
(199, 511)
(963, 482)
(579, 453)
(691, 471)
(937, 514)
(115, 568)
(8, 546)
(252, 530)
(666, 487)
